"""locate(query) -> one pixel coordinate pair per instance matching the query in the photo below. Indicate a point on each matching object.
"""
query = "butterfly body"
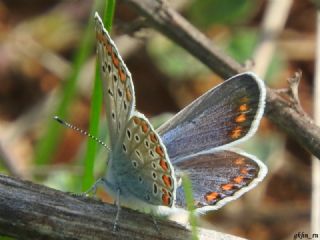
(144, 165)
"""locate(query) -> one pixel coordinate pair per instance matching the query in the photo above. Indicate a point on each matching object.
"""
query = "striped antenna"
(68, 125)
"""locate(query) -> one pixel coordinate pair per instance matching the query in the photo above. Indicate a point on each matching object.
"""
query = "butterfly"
(145, 165)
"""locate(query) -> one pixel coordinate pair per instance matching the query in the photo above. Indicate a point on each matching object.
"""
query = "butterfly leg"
(92, 190)
(117, 202)
(156, 224)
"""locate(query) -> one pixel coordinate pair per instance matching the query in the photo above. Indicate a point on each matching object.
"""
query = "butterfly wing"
(146, 172)
(139, 165)
(224, 115)
(117, 83)
(219, 177)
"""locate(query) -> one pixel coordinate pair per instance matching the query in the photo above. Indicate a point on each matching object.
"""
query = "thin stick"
(273, 23)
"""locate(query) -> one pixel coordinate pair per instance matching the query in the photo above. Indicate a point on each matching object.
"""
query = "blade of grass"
(88, 178)
(187, 188)
(48, 143)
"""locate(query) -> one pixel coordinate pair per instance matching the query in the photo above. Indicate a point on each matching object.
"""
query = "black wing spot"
(154, 165)
(155, 188)
(154, 175)
(137, 138)
(128, 134)
(138, 154)
(124, 148)
(110, 92)
(135, 164)
(119, 92)
(151, 153)
(115, 79)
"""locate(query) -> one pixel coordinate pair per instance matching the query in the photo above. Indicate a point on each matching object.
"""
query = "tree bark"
(32, 211)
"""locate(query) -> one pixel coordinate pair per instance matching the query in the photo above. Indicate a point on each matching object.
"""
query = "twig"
(7, 160)
(171, 24)
(299, 126)
(32, 211)
(273, 23)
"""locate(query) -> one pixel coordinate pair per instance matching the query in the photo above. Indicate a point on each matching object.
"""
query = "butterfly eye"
(146, 143)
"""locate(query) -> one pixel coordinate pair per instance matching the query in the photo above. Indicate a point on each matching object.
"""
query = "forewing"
(144, 162)
(118, 88)
(226, 114)
(140, 164)
(219, 177)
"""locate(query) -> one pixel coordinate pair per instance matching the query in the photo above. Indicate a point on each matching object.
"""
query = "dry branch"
(32, 211)
(280, 110)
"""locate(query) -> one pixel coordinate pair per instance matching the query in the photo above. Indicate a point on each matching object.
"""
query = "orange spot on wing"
(122, 75)
(128, 95)
(244, 171)
(115, 59)
(163, 165)
(153, 138)
(144, 126)
(236, 132)
(165, 198)
(243, 107)
(167, 180)
(99, 36)
(227, 187)
(240, 118)
(209, 197)
(238, 179)
(108, 47)
(239, 161)
(136, 120)
(159, 150)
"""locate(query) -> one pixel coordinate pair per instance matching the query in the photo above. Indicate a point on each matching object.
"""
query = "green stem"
(187, 187)
(97, 100)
